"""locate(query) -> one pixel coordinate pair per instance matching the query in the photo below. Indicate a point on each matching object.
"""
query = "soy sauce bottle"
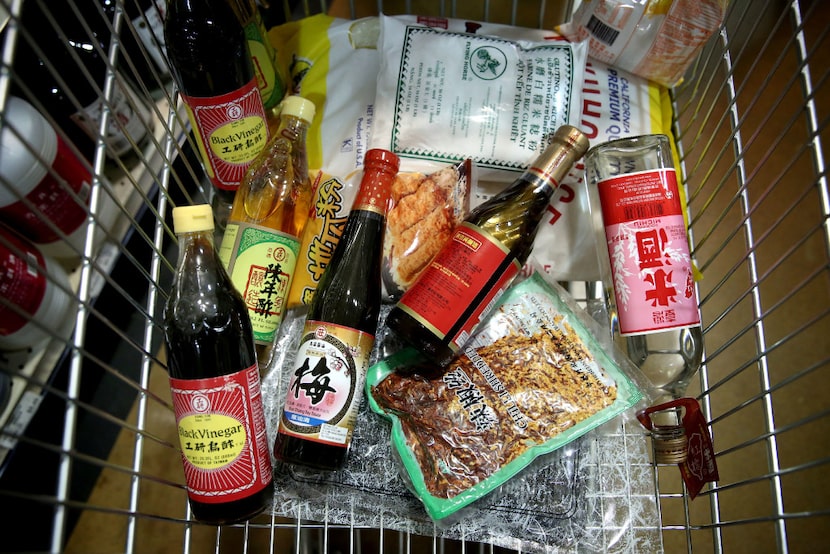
(215, 381)
(327, 378)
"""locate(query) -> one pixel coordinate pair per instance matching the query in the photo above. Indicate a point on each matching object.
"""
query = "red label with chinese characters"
(52, 200)
(456, 280)
(232, 131)
(700, 466)
(23, 283)
(649, 252)
(221, 426)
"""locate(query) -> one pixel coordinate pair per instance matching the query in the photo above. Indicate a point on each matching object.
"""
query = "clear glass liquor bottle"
(644, 258)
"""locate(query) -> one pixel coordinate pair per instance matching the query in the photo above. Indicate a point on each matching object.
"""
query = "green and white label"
(261, 263)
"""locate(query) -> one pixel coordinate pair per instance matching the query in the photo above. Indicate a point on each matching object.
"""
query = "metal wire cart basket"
(90, 460)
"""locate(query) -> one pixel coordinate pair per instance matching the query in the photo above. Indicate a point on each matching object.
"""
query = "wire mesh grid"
(89, 463)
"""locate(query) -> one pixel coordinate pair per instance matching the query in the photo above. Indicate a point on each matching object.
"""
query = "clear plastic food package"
(424, 211)
(655, 39)
(533, 378)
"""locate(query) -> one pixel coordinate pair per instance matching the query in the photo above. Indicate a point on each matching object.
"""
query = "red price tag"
(700, 466)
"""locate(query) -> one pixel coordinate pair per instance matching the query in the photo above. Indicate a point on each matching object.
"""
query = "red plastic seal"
(700, 466)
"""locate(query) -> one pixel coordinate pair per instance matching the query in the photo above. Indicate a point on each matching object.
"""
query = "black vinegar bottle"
(326, 380)
(443, 306)
(214, 380)
(211, 64)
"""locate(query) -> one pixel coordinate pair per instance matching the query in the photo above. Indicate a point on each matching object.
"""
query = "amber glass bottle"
(261, 242)
(214, 379)
(326, 381)
(439, 311)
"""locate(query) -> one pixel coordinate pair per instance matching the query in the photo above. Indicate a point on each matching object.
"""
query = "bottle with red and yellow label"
(214, 72)
(214, 379)
(441, 309)
(325, 385)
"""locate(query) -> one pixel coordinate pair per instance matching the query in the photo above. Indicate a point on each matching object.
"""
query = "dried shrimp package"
(533, 378)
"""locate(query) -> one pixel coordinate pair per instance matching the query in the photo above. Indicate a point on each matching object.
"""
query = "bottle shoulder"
(349, 290)
(520, 200)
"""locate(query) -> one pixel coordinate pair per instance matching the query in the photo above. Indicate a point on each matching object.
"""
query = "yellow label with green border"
(261, 264)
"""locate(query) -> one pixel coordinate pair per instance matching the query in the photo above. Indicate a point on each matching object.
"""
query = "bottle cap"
(298, 107)
(574, 138)
(20, 166)
(381, 156)
(190, 219)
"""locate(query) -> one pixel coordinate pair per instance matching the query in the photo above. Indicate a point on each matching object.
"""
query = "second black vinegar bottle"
(326, 381)
(439, 312)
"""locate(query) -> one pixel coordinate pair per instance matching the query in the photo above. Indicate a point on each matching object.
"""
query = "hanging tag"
(688, 444)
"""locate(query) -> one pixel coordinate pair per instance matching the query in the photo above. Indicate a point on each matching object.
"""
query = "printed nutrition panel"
(486, 95)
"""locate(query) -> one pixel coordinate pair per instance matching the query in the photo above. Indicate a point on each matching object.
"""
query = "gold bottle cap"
(191, 219)
(566, 146)
(574, 138)
(298, 107)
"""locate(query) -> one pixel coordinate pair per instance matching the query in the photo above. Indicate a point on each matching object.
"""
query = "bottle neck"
(550, 168)
(195, 239)
(554, 164)
(294, 129)
(375, 189)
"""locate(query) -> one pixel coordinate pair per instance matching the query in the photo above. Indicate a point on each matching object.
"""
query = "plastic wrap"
(594, 493)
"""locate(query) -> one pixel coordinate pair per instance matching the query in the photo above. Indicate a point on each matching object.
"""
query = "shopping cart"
(89, 461)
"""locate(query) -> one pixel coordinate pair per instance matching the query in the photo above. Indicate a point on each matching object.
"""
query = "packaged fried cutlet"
(533, 378)
(424, 211)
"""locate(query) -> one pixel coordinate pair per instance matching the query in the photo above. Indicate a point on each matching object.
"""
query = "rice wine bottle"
(439, 312)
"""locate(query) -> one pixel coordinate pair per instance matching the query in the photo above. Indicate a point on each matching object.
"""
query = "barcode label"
(602, 32)
(640, 211)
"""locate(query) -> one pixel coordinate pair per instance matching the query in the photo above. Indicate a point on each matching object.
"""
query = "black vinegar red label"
(232, 131)
(326, 384)
(456, 289)
(222, 433)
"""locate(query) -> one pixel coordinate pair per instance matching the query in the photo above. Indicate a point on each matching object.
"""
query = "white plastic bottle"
(35, 299)
(36, 165)
(647, 269)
